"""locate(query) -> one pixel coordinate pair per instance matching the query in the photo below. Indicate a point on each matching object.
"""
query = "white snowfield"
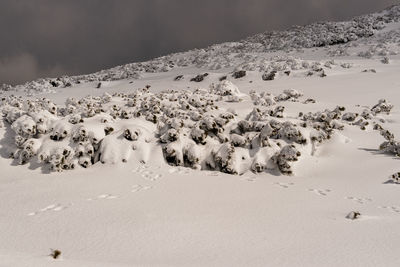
(279, 158)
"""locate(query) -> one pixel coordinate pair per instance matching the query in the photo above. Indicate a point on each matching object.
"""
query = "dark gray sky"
(41, 38)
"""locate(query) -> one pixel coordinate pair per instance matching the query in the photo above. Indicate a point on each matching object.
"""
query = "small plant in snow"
(395, 178)
(382, 107)
(55, 253)
(353, 215)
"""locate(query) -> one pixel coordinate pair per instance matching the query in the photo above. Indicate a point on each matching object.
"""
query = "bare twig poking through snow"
(55, 253)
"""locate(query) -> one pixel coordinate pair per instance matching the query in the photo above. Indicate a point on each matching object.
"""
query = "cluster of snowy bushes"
(268, 99)
(383, 50)
(323, 33)
(280, 64)
(5, 87)
(391, 146)
(338, 51)
(187, 128)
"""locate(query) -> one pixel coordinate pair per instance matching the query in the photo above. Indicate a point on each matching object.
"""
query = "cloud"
(18, 68)
(25, 67)
(81, 36)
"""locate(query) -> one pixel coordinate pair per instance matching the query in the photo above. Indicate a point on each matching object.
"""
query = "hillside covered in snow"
(375, 33)
(281, 149)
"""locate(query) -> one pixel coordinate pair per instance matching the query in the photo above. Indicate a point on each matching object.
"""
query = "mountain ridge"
(217, 56)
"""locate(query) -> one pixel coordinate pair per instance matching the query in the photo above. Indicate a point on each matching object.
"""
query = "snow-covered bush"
(269, 76)
(289, 95)
(395, 178)
(353, 215)
(285, 158)
(382, 107)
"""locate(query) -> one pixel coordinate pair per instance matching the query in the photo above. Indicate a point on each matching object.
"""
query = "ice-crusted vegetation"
(187, 128)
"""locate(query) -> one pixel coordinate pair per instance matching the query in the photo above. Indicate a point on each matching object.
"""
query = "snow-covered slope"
(278, 150)
(378, 28)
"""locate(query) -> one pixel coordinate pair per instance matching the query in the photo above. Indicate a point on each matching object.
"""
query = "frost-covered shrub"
(263, 99)
(192, 156)
(286, 157)
(24, 126)
(199, 78)
(369, 70)
(390, 146)
(291, 133)
(361, 123)
(289, 95)
(28, 149)
(264, 159)
(60, 130)
(198, 135)
(5, 87)
(366, 54)
(367, 114)
(132, 133)
(173, 154)
(277, 112)
(239, 74)
(346, 65)
(353, 215)
(385, 60)
(227, 88)
(381, 49)
(268, 99)
(395, 177)
(179, 78)
(225, 159)
(338, 52)
(269, 76)
(349, 116)
(309, 101)
(382, 107)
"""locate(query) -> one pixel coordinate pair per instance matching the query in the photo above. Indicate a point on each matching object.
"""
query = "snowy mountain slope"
(376, 28)
(143, 207)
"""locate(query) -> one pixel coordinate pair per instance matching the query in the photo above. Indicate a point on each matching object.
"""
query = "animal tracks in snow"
(284, 185)
(50, 208)
(395, 209)
(138, 188)
(359, 200)
(103, 196)
(213, 173)
(249, 178)
(320, 192)
(147, 174)
(150, 175)
(179, 170)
